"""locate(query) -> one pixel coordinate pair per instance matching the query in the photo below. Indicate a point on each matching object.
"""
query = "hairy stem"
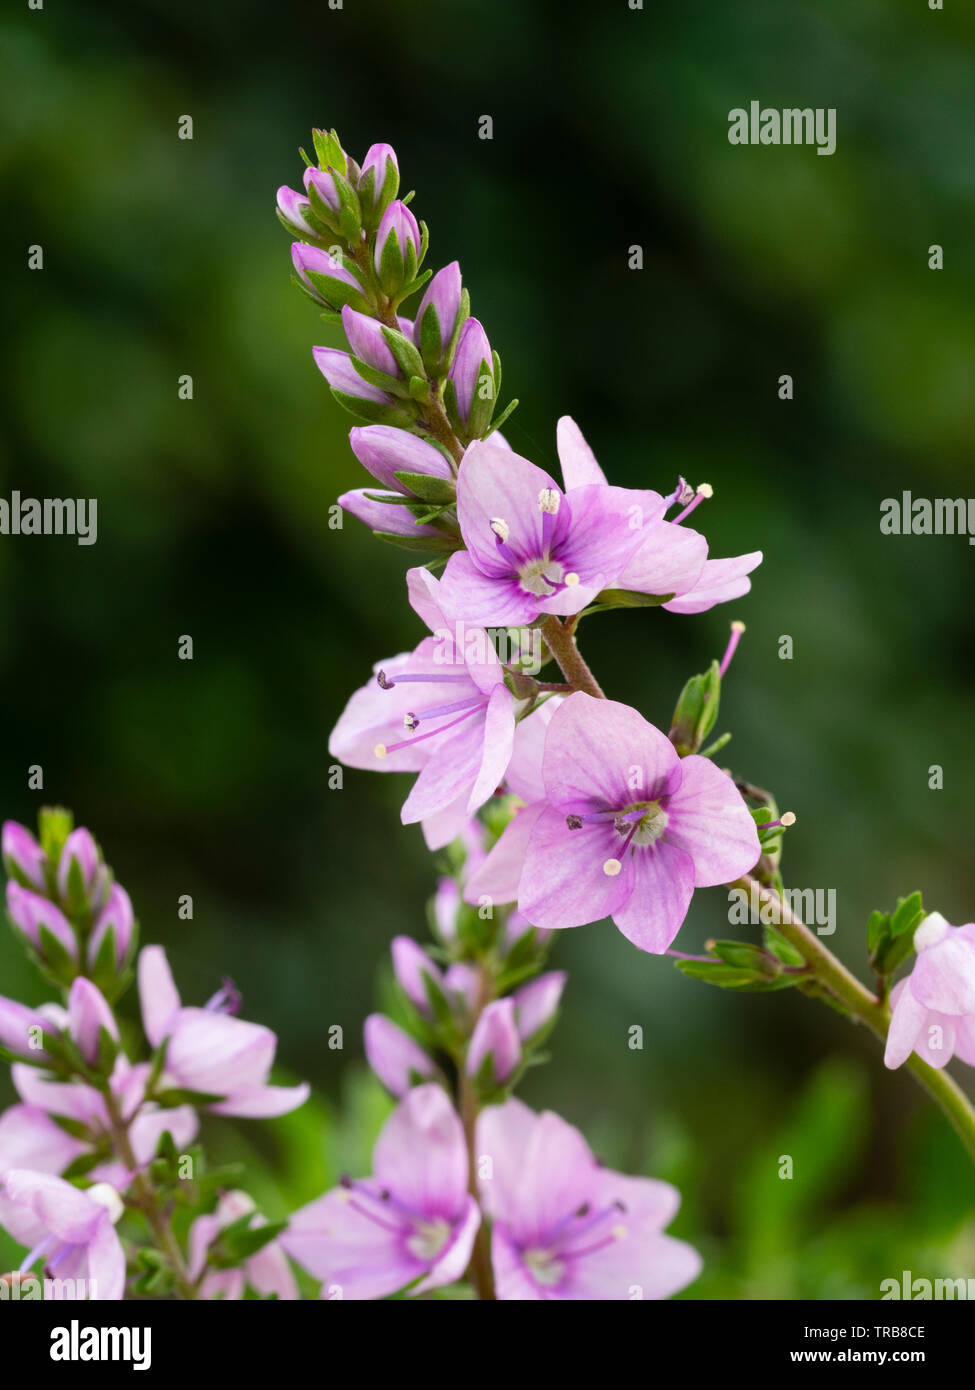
(146, 1201)
(562, 644)
(866, 1008)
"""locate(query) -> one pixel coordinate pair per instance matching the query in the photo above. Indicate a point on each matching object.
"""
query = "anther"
(571, 580)
(574, 822)
(612, 867)
(500, 528)
(548, 501)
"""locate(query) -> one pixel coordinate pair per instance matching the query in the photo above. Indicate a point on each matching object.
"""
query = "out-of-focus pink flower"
(565, 1228)
(412, 1223)
(933, 1009)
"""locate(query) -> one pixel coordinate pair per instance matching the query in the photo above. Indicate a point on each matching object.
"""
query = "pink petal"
(604, 752)
(563, 883)
(663, 884)
(420, 1154)
(708, 818)
(498, 876)
(579, 466)
(719, 581)
(157, 993)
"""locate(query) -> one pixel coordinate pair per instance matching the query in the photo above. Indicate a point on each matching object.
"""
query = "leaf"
(428, 487)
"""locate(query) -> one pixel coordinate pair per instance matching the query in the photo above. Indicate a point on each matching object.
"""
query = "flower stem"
(479, 1271)
(865, 1008)
(562, 644)
(145, 1200)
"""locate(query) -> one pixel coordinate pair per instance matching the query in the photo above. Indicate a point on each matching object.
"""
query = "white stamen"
(738, 625)
(105, 1195)
(618, 1233)
(933, 929)
(612, 867)
(500, 528)
(705, 490)
(548, 500)
(789, 818)
(571, 580)
(380, 750)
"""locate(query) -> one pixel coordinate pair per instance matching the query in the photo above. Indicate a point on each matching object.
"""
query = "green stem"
(866, 1008)
(145, 1200)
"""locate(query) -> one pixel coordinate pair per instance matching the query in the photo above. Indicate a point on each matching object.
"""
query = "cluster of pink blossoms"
(89, 1114)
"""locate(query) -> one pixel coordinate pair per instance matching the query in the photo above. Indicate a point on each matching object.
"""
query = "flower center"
(545, 1267)
(541, 577)
(645, 829)
(429, 1238)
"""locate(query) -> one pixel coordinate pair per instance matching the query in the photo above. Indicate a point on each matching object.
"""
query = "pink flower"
(267, 1272)
(933, 1009)
(412, 1223)
(72, 1231)
(531, 549)
(442, 711)
(671, 558)
(565, 1228)
(627, 830)
(208, 1049)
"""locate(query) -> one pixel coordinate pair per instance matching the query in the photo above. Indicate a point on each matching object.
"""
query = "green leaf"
(438, 543)
(428, 487)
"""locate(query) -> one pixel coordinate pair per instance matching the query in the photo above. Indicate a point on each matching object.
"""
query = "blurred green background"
(163, 257)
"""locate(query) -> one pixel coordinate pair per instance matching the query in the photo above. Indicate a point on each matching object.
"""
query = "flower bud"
(378, 183)
(385, 451)
(82, 877)
(398, 248)
(334, 203)
(21, 1029)
(359, 396)
(442, 309)
(29, 912)
(412, 967)
(537, 1002)
(368, 342)
(472, 387)
(462, 983)
(394, 1056)
(293, 210)
(325, 279)
(23, 857)
(116, 916)
(446, 905)
(696, 711)
(495, 1036)
(88, 1013)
